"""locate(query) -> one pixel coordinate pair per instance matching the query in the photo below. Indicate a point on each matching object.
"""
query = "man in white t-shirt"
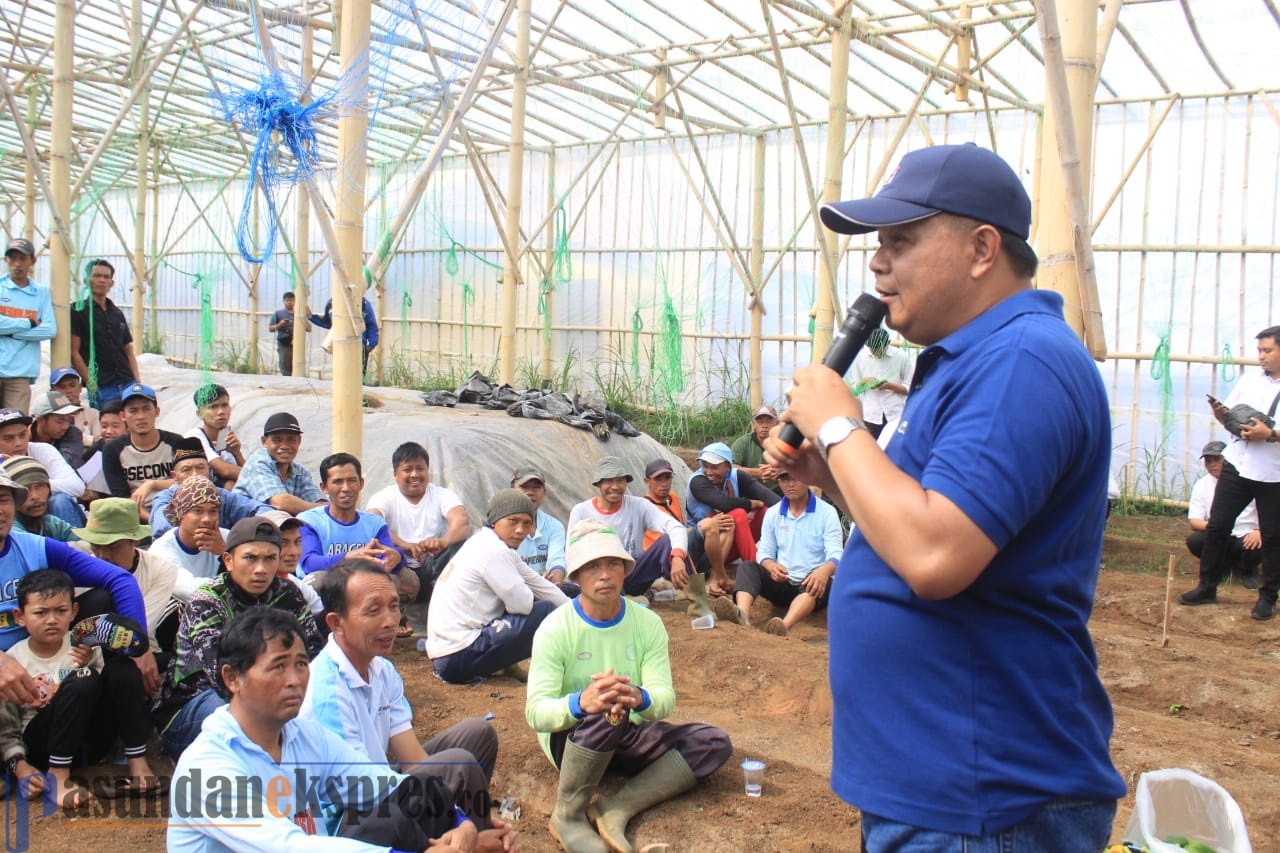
(883, 373)
(1244, 548)
(427, 522)
(221, 445)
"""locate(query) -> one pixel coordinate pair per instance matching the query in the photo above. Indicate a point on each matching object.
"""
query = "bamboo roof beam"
(1133, 165)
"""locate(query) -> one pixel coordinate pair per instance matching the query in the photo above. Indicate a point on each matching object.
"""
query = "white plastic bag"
(1179, 802)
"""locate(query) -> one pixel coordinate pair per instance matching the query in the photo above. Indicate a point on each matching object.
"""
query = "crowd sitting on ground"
(173, 542)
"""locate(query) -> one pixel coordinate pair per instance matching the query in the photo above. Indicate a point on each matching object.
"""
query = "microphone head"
(868, 309)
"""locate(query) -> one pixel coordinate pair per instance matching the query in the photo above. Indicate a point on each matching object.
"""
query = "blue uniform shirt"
(969, 714)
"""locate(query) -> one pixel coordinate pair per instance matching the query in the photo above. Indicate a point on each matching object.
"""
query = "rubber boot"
(580, 772)
(698, 589)
(657, 783)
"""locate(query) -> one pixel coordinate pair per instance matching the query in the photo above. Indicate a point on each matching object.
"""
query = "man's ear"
(333, 620)
(985, 242)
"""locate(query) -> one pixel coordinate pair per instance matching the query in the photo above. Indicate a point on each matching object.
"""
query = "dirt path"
(1209, 702)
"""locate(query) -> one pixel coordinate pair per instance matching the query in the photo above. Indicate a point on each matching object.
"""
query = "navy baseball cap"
(60, 374)
(137, 389)
(963, 180)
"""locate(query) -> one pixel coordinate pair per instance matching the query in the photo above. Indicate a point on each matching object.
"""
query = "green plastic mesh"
(81, 304)
(1227, 365)
(1161, 372)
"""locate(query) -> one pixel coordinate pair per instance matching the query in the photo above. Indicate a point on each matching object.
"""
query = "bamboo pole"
(548, 274)
(1133, 164)
(964, 49)
(1065, 248)
(824, 302)
(302, 225)
(60, 152)
(757, 267)
(29, 174)
(154, 173)
(379, 355)
(660, 90)
(1168, 601)
(255, 273)
(140, 208)
(418, 186)
(515, 188)
(348, 226)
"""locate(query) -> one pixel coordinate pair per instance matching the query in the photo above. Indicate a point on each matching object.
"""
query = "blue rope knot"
(286, 149)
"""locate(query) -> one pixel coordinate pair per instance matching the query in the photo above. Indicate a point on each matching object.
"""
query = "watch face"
(834, 431)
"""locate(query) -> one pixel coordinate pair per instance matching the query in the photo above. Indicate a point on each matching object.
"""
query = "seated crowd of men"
(228, 600)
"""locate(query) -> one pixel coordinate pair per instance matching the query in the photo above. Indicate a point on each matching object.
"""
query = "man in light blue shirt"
(26, 319)
(543, 549)
(800, 546)
(256, 778)
(356, 693)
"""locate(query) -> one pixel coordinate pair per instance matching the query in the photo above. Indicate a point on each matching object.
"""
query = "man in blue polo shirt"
(26, 319)
(338, 530)
(967, 704)
(800, 545)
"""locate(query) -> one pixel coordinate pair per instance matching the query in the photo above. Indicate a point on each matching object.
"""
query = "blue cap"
(60, 374)
(963, 180)
(716, 452)
(137, 389)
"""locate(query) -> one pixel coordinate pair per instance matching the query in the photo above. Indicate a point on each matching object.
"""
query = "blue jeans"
(1062, 826)
(505, 641)
(108, 393)
(185, 725)
(63, 506)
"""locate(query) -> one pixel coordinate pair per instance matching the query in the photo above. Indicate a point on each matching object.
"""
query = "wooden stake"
(60, 243)
(1168, 600)
(302, 228)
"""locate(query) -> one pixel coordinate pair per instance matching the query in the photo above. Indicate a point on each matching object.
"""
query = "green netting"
(204, 286)
(468, 302)
(81, 304)
(637, 326)
(1227, 366)
(406, 302)
(1160, 371)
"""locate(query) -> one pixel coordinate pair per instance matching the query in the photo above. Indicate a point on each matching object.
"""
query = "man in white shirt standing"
(1244, 548)
(1250, 472)
(883, 370)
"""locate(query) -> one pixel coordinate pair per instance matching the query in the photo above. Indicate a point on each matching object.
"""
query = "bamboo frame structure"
(658, 129)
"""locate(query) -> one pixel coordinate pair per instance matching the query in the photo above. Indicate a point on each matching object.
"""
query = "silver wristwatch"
(835, 431)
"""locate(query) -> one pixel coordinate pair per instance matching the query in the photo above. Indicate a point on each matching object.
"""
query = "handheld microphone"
(864, 317)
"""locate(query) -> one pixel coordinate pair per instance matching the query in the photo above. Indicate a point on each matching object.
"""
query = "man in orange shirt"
(709, 539)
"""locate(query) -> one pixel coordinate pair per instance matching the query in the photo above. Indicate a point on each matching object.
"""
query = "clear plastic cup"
(753, 776)
(703, 623)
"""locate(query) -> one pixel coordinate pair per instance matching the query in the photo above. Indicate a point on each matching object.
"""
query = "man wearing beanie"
(487, 603)
(189, 460)
(34, 514)
(599, 683)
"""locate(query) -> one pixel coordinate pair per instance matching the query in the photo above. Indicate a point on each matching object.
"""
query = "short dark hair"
(337, 460)
(1272, 332)
(1022, 258)
(112, 407)
(288, 294)
(44, 583)
(210, 393)
(408, 452)
(102, 262)
(246, 636)
(333, 591)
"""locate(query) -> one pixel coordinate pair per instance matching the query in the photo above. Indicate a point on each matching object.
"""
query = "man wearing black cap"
(101, 343)
(1244, 548)
(967, 707)
(189, 460)
(249, 579)
(140, 463)
(26, 319)
(270, 473)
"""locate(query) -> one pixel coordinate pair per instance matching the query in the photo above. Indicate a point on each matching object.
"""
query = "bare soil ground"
(1205, 702)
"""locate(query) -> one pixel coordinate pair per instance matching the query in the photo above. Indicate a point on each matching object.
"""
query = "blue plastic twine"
(286, 149)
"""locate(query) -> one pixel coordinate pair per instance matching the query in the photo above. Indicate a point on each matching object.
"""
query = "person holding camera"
(1250, 472)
